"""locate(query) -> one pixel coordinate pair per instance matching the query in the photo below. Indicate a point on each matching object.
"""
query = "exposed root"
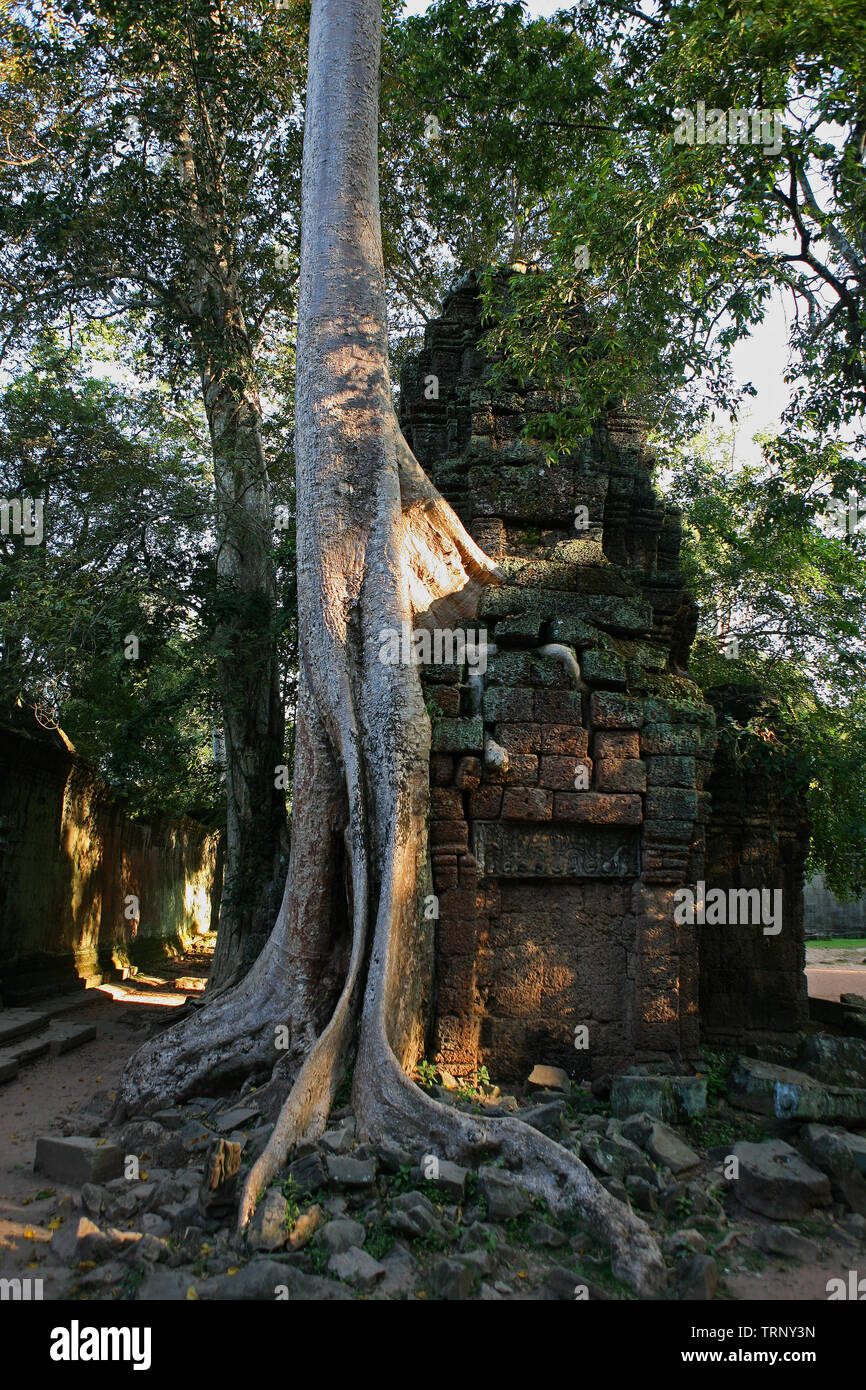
(389, 1106)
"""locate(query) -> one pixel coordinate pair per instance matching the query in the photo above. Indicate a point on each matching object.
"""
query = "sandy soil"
(835, 971)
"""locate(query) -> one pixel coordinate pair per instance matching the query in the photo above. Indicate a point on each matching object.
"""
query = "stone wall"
(69, 858)
(568, 800)
(826, 915)
(753, 988)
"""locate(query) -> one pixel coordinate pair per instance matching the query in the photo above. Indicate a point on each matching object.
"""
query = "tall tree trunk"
(246, 636)
(249, 678)
(377, 546)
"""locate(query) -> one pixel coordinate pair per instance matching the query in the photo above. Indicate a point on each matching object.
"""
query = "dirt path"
(836, 970)
(45, 1091)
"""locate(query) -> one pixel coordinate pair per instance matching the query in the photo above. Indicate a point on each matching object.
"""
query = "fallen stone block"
(415, 1215)
(546, 1118)
(784, 1240)
(268, 1229)
(449, 1178)
(308, 1172)
(350, 1173)
(698, 1279)
(668, 1098)
(788, 1094)
(666, 1148)
(837, 1061)
(228, 1120)
(775, 1181)
(340, 1235)
(505, 1195)
(77, 1160)
(453, 1280)
(842, 1156)
(357, 1268)
(543, 1078)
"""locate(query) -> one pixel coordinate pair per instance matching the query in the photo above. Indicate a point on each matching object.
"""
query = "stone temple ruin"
(577, 783)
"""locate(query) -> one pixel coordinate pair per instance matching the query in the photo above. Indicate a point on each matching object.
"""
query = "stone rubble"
(350, 1220)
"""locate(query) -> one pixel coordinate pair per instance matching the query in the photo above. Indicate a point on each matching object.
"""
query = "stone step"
(28, 1049)
(19, 1023)
(8, 1066)
(65, 1037)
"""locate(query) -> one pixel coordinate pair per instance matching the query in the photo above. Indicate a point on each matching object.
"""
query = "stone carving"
(505, 850)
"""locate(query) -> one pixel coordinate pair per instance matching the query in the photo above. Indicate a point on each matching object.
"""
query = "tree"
(102, 620)
(377, 546)
(151, 152)
(774, 555)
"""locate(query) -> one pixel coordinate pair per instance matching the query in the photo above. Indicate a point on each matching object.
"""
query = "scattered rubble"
(351, 1220)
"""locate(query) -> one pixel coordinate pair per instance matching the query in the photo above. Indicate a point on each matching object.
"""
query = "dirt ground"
(46, 1090)
(835, 971)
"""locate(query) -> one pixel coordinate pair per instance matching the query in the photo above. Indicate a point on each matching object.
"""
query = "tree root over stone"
(378, 548)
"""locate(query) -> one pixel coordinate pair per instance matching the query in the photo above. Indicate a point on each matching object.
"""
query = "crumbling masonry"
(569, 782)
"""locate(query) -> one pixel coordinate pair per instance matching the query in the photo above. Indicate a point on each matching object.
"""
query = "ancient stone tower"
(567, 800)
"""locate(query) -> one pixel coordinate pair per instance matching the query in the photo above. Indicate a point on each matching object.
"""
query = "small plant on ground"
(426, 1073)
(380, 1239)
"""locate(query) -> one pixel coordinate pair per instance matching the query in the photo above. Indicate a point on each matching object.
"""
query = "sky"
(760, 359)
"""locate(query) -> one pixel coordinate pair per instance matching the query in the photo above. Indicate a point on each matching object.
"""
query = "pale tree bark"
(377, 547)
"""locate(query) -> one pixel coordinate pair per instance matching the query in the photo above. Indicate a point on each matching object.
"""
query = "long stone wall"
(84, 887)
(826, 915)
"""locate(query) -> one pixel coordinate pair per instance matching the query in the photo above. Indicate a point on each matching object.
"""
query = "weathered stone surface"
(269, 1229)
(837, 1061)
(453, 1279)
(340, 1235)
(544, 1078)
(457, 735)
(788, 1094)
(350, 1173)
(356, 1267)
(514, 852)
(698, 1279)
(776, 1181)
(842, 1156)
(77, 1160)
(505, 1195)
